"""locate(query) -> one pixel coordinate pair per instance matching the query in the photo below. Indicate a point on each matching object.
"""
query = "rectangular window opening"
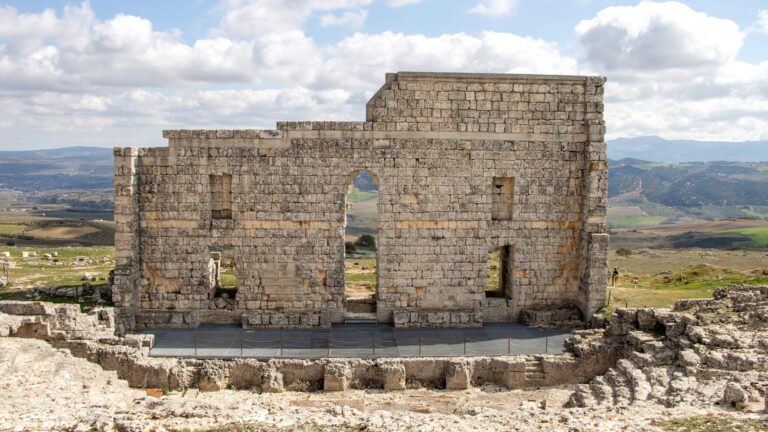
(221, 196)
(503, 196)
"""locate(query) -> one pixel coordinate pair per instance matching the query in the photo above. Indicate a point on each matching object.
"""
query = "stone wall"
(439, 145)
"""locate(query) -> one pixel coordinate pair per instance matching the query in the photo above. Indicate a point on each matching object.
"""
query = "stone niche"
(465, 163)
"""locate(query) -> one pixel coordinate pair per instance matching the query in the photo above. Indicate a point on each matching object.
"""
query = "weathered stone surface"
(337, 376)
(458, 376)
(214, 376)
(272, 381)
(705, 351)
(466, 164)
(394, 376)
(734, 395)
(549, 317)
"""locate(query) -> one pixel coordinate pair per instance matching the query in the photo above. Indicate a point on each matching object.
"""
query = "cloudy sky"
(115, 73)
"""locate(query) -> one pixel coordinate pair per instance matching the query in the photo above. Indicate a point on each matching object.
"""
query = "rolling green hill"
(703, 189)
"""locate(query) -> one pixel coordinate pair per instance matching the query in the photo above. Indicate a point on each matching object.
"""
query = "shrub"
(349, 247)
(366, 240)
(10, 243)
(623, 252)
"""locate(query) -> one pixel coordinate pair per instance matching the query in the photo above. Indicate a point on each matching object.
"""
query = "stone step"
(641, 388)
(534, 365)
(601, 391)
(619, 383)
(358, 321)
(582, 397)
(534, 376)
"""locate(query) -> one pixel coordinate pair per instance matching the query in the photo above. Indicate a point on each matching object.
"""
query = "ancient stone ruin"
(466, 164)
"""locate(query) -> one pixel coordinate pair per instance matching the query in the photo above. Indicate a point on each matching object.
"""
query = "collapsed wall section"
(440, 145)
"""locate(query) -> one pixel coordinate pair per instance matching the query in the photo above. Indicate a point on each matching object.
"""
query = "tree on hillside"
(366, 241)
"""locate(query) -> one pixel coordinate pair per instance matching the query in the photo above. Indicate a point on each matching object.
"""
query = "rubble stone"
(734, 395)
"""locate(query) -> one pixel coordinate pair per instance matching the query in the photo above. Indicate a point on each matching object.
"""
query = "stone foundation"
(551, 318)
(91, 336)
(284, 320)
(437, 318)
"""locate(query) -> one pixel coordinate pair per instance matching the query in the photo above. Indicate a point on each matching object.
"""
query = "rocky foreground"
(48, 389)
(702, 366)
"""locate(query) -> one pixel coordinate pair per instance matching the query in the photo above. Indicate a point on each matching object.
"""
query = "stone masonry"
(466, 164)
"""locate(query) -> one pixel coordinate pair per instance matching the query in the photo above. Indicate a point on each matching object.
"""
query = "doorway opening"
(222, 271)
(361, 244)
(499, 280)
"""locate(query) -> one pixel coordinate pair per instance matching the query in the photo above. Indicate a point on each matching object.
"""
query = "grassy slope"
(37, 272)
(757, 235)
(11, 228)
(361, 196)
(635, 221)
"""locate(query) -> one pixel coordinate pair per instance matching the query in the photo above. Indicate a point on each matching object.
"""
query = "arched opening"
(361, 245)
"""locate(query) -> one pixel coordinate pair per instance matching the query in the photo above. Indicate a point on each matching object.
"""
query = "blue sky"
(115, 73)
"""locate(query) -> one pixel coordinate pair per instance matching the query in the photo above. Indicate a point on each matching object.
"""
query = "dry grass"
(64, 233)
(11, 228)
(360, 278)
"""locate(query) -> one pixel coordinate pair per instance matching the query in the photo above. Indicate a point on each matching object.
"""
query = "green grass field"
(754, 213)
(711, 424)
(11, 228)
(758, 236)
(38, 272)
(228, 278)
(663, 290)
(354, 197)
(634, 221)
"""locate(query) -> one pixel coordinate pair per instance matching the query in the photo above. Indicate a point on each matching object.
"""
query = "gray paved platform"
(355, 340)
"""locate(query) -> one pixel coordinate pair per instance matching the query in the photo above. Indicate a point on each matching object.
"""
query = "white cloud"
(259, 17)
(360, 61)
(654, 36)
(346, 19)
(494, 7)
(16, 25)
(71, 72)
(672, 71)
(762, 21)
(399, 3)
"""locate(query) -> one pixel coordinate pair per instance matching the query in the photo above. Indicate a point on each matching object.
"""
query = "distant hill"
(71, 168)
(60, 154)
(657, 149)
(692, 184)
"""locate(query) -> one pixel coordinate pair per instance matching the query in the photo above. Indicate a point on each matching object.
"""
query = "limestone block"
(734, 396)
(337, 377)
(214, 376)
(646, 319)
(272, 381)
(458, 376)
(394, 376)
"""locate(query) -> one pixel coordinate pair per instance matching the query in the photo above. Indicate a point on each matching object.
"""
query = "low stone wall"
(278, 375)
(91, 336)
(284, 320)
(55, 321)
(165, 319)
(550, 318)
(437, 318)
